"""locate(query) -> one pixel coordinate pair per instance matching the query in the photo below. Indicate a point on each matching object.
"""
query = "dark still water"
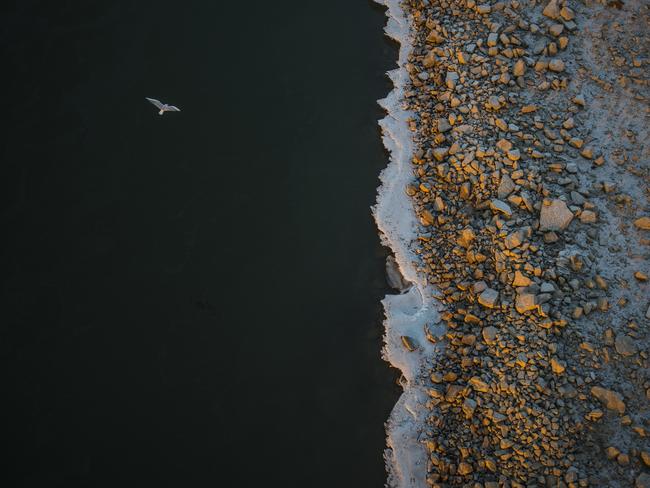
(192, 299)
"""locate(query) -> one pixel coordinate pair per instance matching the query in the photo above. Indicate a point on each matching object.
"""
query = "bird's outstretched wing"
(157, 103)
(171, 108)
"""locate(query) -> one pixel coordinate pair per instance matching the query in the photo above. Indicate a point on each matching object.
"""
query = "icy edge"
(408, 313)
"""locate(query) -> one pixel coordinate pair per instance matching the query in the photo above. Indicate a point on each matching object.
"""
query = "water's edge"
(408, 313)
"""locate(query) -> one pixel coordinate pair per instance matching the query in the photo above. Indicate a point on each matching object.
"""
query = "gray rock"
(547, 287)
(394, 275)
(443, 125)
(488, 298)
(489, 334)
(577, 198)
(469, 406)
(555, 216)
(506, 186)
(525, 302)
(625, 345)
(502, 207)
(514, 239)
(494, 103)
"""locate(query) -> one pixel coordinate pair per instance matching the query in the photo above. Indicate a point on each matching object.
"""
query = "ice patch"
(409, 313)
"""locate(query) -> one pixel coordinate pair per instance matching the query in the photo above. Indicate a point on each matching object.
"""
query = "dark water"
(193, 299)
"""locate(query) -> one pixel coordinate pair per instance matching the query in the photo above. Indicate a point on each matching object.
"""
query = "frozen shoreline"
(407, 313)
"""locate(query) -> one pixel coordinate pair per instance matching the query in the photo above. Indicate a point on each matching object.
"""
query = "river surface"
(193, 299)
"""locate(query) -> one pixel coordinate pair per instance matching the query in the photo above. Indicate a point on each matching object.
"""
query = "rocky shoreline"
(529, 179)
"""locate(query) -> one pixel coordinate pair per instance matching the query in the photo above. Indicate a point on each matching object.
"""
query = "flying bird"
(163, 107)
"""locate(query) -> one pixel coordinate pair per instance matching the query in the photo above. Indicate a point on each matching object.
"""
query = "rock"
(514, 239)
(610, 399)
(525, 302)
(643, 223)
(588, 217)
(435, 37)
(640, 276)
(452, 392)
(567, 13)
(494, 103)
(557, 367)
(520, 280)
(555, 216)
(625, 345)
(439, 204)
(506, 186)
(577, 198)
(478, 384)
(514, 155)
(556, 65)
(440, 153)
(465, 468)
(469, 406)
(587, 153)
(430, 59)
(443, 125)
(580, 100)
(547, 287)
(489, 334)
(504, 145)
(556, 29)
(452, 79)
(519, 68)
(427, 218)
(502, 207)
(465, 237)
(394, 275)
(551, 237)
(488, 298)
(576, 142)
(552, 10)
(594, 415)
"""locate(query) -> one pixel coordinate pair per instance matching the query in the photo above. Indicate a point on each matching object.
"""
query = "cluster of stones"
(496, 193)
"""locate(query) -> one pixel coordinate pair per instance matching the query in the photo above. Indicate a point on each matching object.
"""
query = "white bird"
(163, 106)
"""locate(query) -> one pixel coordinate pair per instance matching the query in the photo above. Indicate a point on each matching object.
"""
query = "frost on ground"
(519, 132)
